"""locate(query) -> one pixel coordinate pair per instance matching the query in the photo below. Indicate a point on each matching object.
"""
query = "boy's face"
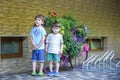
(38, 21)
(55, 29)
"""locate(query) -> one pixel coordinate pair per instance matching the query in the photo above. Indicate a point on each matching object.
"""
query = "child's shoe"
(33, 73)
(50, 73)
(40, 74)
(56, 74)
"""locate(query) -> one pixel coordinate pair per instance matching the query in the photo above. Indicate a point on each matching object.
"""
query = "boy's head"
(39, 20)
(39, 16)
(56, 27)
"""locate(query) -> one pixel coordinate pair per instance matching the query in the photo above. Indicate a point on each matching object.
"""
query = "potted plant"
(71, 33)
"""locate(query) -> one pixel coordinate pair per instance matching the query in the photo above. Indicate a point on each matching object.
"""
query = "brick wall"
(101, 16)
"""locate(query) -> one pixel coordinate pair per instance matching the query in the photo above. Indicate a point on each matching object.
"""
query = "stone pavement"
(65, 75)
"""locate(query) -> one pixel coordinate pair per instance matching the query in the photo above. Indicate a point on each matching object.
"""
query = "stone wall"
(17, 16)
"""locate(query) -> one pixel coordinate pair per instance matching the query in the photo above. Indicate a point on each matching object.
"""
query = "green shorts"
(53, 57)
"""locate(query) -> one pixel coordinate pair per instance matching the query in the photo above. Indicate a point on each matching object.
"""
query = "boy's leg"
(34, 58)
(40, 58)
(41, 66)
(41, 69)
(51, 66)
(51, 73)
(57, 59)
(50, 59)
(34, 68)
(57, 66)
(56, 73)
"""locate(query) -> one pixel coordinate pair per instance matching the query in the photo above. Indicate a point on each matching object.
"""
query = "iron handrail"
(92, 60)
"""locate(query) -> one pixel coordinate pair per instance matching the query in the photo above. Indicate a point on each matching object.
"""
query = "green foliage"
(67, 23)
(71, 46)
(81, 31)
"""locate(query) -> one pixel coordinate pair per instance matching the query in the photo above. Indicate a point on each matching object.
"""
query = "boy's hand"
(35, 47)
(60, 54)
(46, 50)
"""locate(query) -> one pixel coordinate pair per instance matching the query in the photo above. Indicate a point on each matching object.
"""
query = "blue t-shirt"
(37, 33)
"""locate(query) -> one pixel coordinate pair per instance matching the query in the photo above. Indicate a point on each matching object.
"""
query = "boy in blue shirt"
(37, 37)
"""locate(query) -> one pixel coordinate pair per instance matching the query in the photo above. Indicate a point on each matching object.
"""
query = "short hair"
(39, 16)
(56, 24)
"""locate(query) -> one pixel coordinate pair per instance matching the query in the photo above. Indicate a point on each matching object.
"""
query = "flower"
(72, 34)
(80, 33)
(53, 14)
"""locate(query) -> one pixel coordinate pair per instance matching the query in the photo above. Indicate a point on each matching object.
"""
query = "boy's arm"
(41, 41)
(46, 47)
(31, 40)
(61, 48)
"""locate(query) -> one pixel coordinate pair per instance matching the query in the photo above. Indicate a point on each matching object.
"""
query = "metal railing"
(118, 67)
(100, 59)
(90, 62)
(108, 59)
(103, 63)
(85, 62)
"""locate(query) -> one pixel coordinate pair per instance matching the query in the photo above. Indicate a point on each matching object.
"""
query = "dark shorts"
(38, 55)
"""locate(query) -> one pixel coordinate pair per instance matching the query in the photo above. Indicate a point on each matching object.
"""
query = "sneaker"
(40, 74)
(33, 73)
(50, 73)
(56, 74)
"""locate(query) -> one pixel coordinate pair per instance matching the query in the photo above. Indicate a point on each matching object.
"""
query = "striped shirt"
(54, 43)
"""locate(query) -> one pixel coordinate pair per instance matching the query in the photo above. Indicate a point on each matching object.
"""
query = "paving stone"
(65, 75)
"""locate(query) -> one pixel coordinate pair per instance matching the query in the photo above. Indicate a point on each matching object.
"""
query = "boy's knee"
(51, 62)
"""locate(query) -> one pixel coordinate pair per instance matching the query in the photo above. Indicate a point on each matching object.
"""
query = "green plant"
(68, 24)
(71, 46)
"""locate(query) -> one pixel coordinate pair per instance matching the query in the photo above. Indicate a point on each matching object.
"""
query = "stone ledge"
(13, 35)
